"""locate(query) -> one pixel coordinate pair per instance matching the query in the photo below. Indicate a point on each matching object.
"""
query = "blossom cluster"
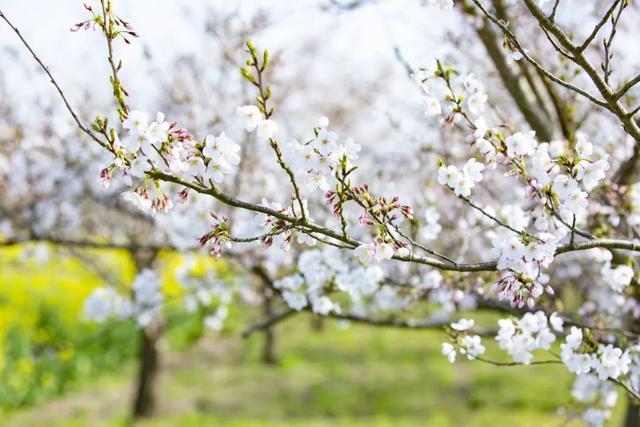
(597, 396)
(162, 146)
(461, 181)
(252, 119)
(448, 97)
(281, 232)
(145, 303)
(559, 182)
(373, 252)
(606, 361)
(464, 342)
(522, 280)
(618, 277)
(593, 363)
(533, 331)
(318, 271)
(556, 181)
(316, 160)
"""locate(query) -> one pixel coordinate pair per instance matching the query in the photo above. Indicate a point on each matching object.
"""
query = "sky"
(356, 40)
(353, 52)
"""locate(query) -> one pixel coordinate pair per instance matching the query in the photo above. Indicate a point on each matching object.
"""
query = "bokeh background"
(70, 373)
(58, 369)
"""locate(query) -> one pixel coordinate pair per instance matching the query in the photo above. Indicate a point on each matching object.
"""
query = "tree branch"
(510, 80)
(598, 26)
(505, 29)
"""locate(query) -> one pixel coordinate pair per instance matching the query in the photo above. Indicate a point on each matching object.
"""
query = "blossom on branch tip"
(521, 338)
(461, 182)
(137, 200)
(266, 128)
(373, 252)
(463, 324)
(137, 121)
(449, 351)
(448, 175)
(158, 131)
(473, 170)
(325, 142)
(250, 117)
(471, 345)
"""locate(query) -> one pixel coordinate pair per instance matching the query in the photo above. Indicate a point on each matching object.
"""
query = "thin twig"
(598, 26)
(505, 28)
(535, 362)
(53, 81)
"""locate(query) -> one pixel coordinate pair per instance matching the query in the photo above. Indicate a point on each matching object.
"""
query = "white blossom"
(449, 351)
(297, 301)
(471, 346)
(463, 324)
(520, 144)
(250, 117)
(266, 128)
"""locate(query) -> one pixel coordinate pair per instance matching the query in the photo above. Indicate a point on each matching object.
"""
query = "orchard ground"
(341, 375)
(359, 376)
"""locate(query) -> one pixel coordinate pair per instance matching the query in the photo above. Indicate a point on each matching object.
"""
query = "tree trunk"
(268, 349)
(632, 417)
(148, 358)
(317, 323)
(144, 403)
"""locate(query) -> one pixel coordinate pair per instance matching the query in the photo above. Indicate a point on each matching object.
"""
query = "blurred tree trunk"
(144, 400)
(268, 349)
(317, 323)
(268, 299)
(632, 417)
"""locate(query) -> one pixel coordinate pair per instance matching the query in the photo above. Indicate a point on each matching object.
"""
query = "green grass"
(45, 347)
(359, 376)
